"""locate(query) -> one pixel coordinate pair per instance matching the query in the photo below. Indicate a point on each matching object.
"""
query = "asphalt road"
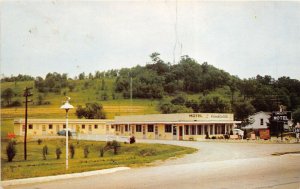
(215, 165)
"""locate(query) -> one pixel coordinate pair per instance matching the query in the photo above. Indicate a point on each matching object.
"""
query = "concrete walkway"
(60, 177)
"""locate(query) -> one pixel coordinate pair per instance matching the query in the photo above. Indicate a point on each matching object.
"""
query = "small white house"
(259, 120)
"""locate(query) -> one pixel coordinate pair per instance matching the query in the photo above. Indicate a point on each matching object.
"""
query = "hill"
(157, 87)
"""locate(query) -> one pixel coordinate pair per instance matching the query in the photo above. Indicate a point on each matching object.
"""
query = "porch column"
(214, 129)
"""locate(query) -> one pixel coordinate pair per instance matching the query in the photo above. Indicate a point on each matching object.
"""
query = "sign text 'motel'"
(281, 116)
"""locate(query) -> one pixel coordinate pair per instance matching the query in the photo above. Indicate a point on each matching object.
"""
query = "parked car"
(63, 132)
(238, 132)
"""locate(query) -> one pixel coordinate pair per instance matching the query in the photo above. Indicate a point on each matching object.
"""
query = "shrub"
(148, 152)
(102, 150)
(213, 137)
(39, 141)
(132, 140)
(115, 145)
(108, 143)
(45, 151)
(86, 151)
(206, 135)
(72, 150)
(227, 136)
(11, 136)
(11, 151)
(58, 152)
(16, 103)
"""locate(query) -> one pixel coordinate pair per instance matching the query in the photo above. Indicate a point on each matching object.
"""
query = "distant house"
(259, 120)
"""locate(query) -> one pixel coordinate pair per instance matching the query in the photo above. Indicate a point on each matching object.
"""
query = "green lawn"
(129, 155)
(79, 96)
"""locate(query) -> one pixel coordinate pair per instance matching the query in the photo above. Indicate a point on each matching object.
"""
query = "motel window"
(223, 129)
(30, 126)
(199, 130)
(211, 129)
(186, 130)
(112, 126)
(168, 128)
(50, 126)
(82, 126)
(138, 128)
(261, 121)
(96, 126)
(193, 130)
(64, 126)
(150, 128)
(217, 129)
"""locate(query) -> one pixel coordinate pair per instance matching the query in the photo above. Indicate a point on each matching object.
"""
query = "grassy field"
(81, 95)
(131, 155)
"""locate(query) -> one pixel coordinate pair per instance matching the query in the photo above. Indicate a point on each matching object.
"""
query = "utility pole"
(130, 95)
(27, 93)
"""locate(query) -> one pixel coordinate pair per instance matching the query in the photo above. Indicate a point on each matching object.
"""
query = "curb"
(61, 177)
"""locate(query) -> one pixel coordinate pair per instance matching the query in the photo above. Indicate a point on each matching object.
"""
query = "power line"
(176, 33)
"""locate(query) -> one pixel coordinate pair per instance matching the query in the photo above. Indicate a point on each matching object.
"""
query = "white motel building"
(182, 126)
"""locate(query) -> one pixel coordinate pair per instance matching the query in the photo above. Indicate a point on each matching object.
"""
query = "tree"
(11, 150)
(102, 84)
(91, 111)
(71, 86)
(179, 100)
(193, 104)
(58, 153)
(86, 151)
(40, 99)
(296, 116)
(72, 150)
(7, 95)
(214, 104)
(242, 111)
(167, 108)
(45, 152)
(81, 76)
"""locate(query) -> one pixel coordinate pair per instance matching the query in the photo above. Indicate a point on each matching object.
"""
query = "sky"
(242, 38)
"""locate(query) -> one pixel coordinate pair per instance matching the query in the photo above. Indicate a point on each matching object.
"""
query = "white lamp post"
(67, 106)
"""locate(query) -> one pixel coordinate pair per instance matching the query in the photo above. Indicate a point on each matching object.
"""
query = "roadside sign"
(281, 116)
(264, 134)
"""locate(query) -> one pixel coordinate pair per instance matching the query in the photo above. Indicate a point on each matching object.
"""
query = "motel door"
(57, 128)
(90, 129)
(180, 132)
(44, 133)
(144, 132)
(107, 129)
(132, 129)
(174, 132)
(156, 132)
